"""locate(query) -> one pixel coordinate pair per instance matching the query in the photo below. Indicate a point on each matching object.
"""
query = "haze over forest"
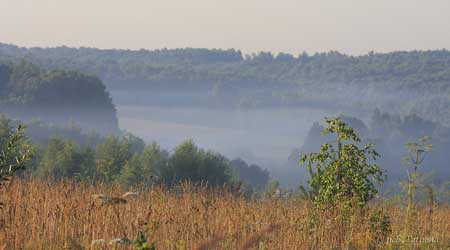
(252, 82)
(261, 107)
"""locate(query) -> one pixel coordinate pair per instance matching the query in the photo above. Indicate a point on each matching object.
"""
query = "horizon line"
(226, 49)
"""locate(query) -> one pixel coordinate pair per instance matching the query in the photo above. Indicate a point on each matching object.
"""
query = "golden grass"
(64, 215)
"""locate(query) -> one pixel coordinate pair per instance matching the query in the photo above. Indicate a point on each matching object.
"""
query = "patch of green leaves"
(14, 153)
(343, 171)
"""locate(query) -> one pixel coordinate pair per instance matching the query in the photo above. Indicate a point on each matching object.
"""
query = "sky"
(293, 26)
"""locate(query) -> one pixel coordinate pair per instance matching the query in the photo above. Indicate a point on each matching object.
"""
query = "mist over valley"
(259, 107)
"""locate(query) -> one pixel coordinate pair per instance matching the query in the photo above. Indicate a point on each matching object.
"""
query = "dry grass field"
(64, 215)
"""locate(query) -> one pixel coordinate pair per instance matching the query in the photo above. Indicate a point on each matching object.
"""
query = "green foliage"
(15, 151)
(63, 158)
(142, 244)
(112, 155)
(119, 159)
(146, 167)
(137, 145)
(389, 131)
(125, 160)
(189, 163)
(343, 175)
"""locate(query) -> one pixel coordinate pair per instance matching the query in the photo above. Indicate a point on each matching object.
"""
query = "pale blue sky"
(350, 26)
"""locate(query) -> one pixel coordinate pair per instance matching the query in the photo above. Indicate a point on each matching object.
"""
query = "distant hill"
(56, 96)
(403, 82)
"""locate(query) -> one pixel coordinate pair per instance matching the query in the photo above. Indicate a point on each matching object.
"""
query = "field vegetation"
(69, 215)
(340, 208)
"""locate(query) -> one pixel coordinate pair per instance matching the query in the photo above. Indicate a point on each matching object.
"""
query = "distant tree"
(283, 57)
(414, 125)
(189, 163)
(313, 140)
(130, 173)
(112, 155)
(251, 174)
(137, 145)
(154, 163)
(263, 57)
(315, 137)
(147, 167)
(358, 125)
(87, 170)
(62, 158)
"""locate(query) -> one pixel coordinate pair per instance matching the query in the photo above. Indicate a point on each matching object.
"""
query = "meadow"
(67, 215)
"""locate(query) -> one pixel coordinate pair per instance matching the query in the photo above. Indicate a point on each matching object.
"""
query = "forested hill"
(57, 96)
(415, 69)
(401, 82)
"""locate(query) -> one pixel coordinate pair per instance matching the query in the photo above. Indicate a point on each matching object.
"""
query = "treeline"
(405, 81)
(419, 68)
(57, 96)
(69, 153)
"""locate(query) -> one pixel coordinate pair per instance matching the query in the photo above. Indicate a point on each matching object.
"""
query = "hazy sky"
(350, 26)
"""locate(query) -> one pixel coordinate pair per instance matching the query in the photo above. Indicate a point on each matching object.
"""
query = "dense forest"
(399, 82)
(57, 96)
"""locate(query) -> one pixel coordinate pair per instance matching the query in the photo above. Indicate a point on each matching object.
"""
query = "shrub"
(345, 174)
